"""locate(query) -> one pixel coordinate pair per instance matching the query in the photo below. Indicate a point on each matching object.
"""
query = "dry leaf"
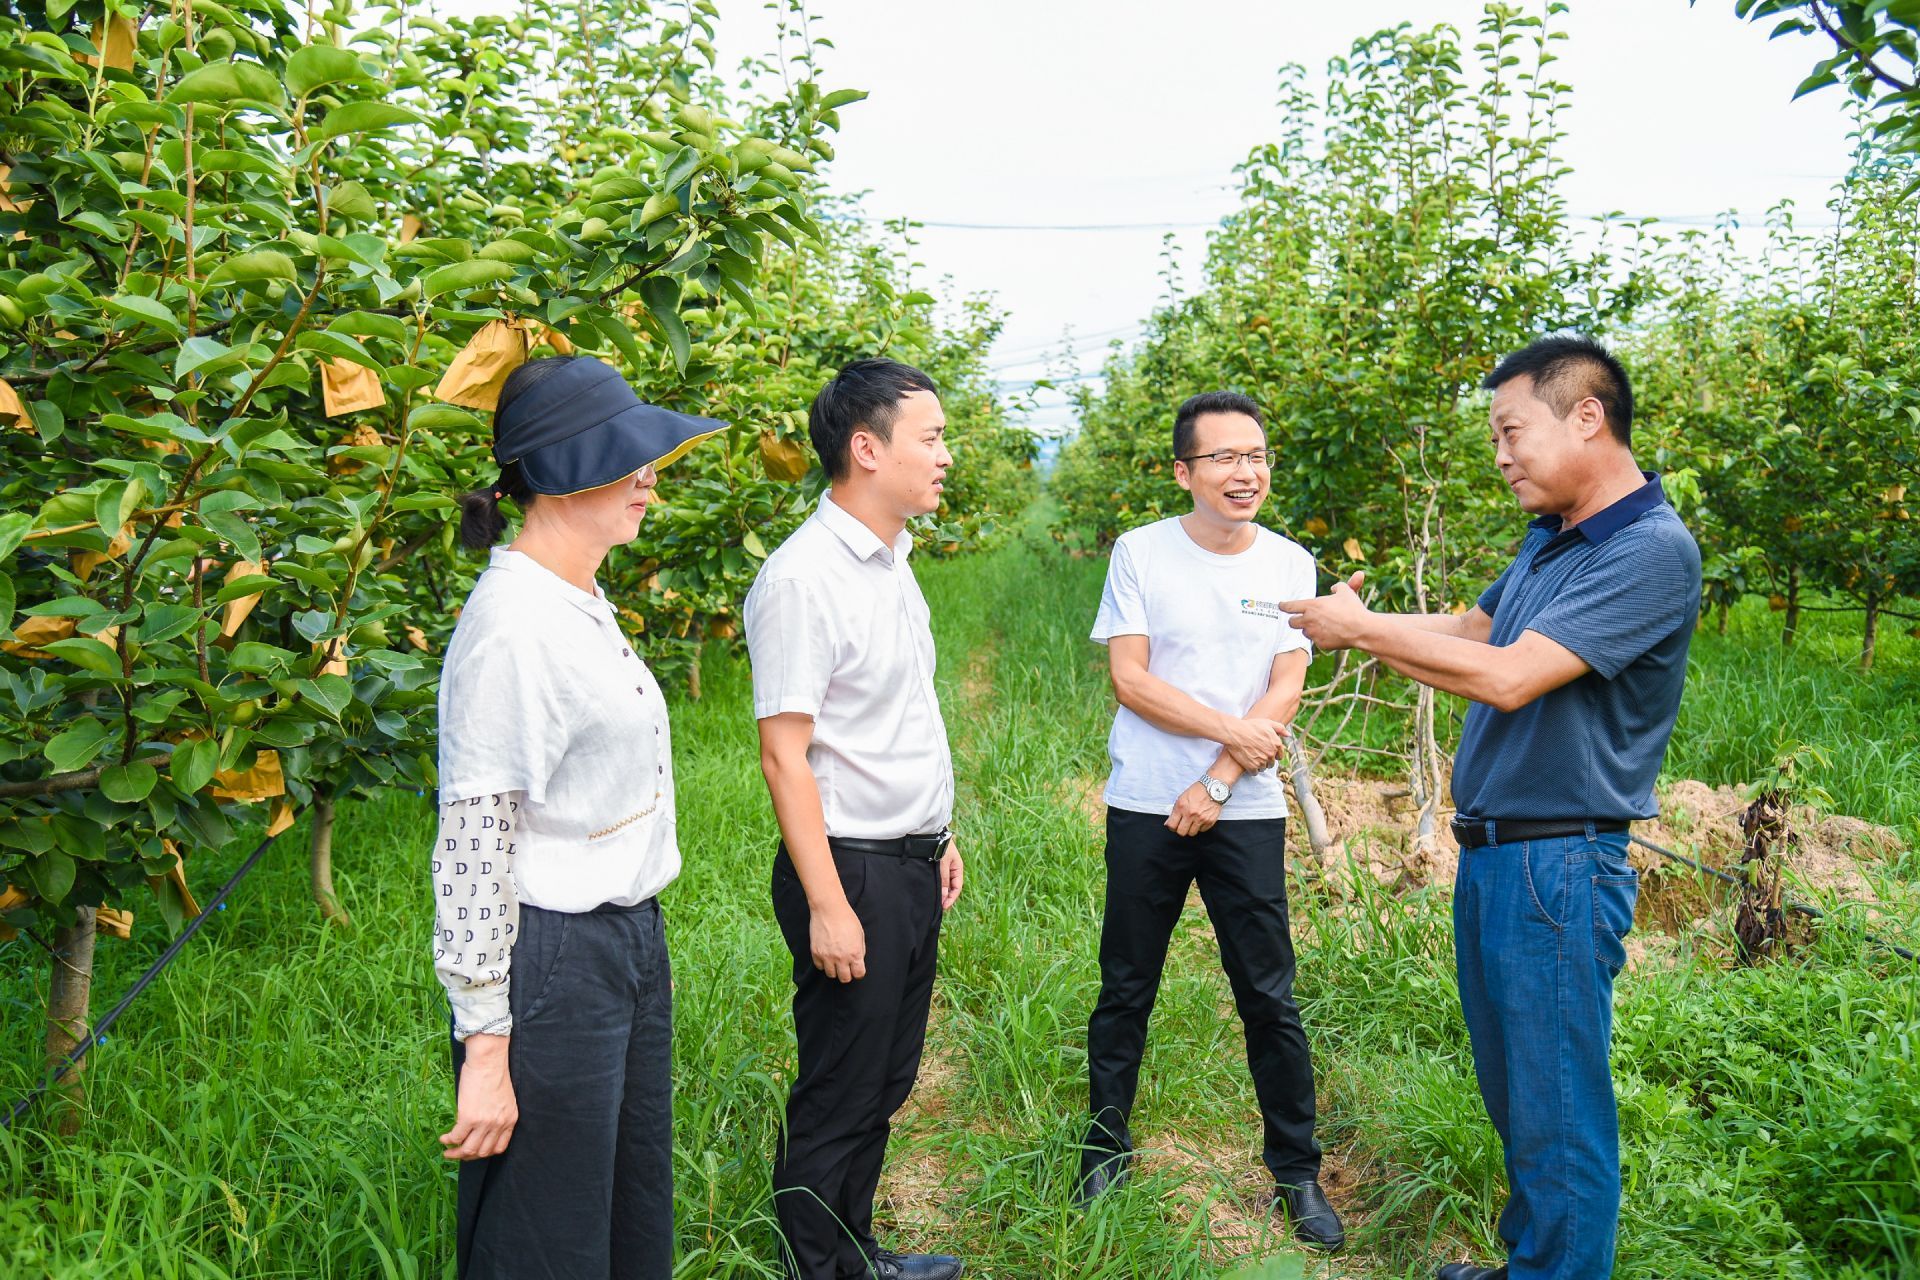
(561, 344)
(1353, 549)
(1316, 527)
(178, 875)
(113, 922)
(410, 227)
(476, 375)
(85, 562)
(280, 816)
(32, 633)
(636, 618)
(7, 203)
(346, 387)
(784, 460)
(117, 51)
(12, 412)
(237, 610)
(417, 638)
(261, 782)
(10, 897)
(335, 666)
(363, 434)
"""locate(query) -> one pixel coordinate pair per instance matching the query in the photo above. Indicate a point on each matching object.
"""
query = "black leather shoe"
(1313, 1219)
(888, 1265)
(1468, 1271)
(1100, 1172)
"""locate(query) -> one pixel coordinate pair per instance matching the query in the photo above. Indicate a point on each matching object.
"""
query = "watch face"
(1218, 790)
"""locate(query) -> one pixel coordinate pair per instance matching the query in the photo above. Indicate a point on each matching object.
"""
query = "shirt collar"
(862, 541)
(519, 562)
(1606, 522)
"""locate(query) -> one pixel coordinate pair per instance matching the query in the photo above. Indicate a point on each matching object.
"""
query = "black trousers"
(860, 1046)
(1241, 869)
(584, 1190)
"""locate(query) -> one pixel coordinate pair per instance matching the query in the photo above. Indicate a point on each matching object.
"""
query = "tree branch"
(84, 780)
(1855, 52)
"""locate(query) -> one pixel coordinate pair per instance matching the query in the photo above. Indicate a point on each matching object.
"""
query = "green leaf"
(13, 527)
(615, 328)
(165, 621)
(128, 783)
(756, 548)
(261, 264)
(364, 117)
(226, 85)
(842, 97)
(52, 874)
(332, 693)
(662, 296)
(440, 417)
(204, 355)
(352, 200)
(463, 275)
(72, 749)
(1288, 1267)
(89, 655)
(193, 764)
(134, 307)
(315, 65)
(6, 604)
(370, 324)
(235, 530)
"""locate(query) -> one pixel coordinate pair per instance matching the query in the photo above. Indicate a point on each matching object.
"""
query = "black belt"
(1472, 833)
(926, 848)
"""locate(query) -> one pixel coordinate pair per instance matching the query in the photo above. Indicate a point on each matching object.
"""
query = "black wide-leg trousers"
(859, 1051)
(1241, 869)
(584, 1190)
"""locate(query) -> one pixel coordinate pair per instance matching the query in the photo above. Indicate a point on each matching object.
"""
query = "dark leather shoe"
(1468, 1271)
(885, 1264)
(1100, 1172)
(1313, 1219)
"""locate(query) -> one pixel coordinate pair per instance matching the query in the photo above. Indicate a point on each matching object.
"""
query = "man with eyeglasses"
(1208, 674)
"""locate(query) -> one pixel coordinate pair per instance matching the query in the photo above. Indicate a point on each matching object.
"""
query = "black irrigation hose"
(1811, 912)
(99, 1029)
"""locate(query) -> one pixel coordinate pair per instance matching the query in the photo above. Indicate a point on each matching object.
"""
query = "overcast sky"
(1030, 114)
(1049, 146)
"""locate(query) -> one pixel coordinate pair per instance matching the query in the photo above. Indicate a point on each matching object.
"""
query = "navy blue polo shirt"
(1622, 590)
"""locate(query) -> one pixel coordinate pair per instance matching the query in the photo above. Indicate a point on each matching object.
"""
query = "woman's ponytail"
(481, 522)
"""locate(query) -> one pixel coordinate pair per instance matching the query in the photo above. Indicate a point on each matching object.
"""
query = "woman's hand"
(485, 1110)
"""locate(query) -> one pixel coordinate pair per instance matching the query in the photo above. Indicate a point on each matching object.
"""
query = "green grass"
(269, 1107)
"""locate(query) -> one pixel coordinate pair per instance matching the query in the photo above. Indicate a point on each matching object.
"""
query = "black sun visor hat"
(583, 427)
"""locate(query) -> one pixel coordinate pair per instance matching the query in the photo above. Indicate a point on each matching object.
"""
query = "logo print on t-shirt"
(1261, 608)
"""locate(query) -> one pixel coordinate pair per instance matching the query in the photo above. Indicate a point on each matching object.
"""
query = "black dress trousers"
(859, 1051)
(1241, 869)
(584, 1190)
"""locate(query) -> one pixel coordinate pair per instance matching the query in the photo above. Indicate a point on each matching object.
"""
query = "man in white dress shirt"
(855, 755)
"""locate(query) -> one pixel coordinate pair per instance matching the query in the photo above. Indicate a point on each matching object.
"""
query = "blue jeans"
(1537, 930)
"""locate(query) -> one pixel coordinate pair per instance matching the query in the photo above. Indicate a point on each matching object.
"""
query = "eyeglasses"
(1259, 459)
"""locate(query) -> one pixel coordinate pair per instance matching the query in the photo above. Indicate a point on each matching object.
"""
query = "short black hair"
(865, 394)
(1209, 402)
(1566, 368)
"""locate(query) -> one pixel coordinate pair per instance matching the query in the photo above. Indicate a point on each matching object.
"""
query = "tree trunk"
(320, 860)
(69, 994)
(1312, 816)
(1720, 619)
(693, 678)
(1791, 631)
(1869, 630)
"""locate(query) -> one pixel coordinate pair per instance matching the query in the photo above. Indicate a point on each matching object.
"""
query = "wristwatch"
(1217, 791)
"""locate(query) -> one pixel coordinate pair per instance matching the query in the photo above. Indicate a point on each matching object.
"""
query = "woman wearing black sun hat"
(556, 836)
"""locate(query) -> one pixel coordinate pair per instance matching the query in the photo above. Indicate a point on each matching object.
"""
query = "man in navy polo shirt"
(1574, 661)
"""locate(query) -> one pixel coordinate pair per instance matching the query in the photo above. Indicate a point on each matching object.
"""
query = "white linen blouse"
(556, 776)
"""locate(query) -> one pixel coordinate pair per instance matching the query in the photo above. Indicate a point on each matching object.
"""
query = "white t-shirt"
(542, 694)
(1213, 626)
(837, 629)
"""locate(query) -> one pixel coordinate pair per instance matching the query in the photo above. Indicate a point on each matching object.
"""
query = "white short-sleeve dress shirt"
(1213, 626)
(837, 629)
(556, 774)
